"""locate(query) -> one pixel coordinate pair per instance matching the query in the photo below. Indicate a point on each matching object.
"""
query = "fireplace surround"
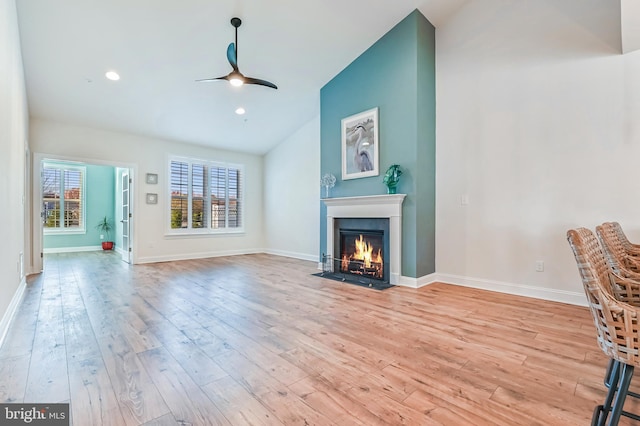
(388, 206)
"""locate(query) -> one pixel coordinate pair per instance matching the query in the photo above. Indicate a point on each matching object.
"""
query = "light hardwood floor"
(257, 340)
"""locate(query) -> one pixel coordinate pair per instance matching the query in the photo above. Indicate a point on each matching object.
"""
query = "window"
(63, 195)
(206, 197)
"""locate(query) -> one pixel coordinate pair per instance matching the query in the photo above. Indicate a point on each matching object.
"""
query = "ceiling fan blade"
(249, 80)
(207, 80)
(232, 56)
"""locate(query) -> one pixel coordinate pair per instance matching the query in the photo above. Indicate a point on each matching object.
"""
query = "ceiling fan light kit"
(235, 77)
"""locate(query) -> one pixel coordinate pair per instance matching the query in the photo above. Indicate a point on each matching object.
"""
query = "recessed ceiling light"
(240, 111)
(112, 75)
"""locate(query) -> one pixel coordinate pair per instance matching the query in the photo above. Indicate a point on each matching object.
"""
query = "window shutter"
(235, 199)
(72, 199)
(218, 197)
(179, 194)
(51, 197)
(198, 192)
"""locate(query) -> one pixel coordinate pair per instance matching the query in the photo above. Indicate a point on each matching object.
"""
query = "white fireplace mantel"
(388, 206)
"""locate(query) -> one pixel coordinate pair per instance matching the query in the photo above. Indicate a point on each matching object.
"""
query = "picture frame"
(152, 178)
(152, 198)
(360, 154)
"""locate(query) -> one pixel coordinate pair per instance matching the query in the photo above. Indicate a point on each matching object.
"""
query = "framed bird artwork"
(360, 145)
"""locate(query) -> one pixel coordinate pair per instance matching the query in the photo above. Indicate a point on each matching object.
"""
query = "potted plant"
(105, 225)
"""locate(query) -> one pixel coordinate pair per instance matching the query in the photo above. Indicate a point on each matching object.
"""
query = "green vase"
(391, 189)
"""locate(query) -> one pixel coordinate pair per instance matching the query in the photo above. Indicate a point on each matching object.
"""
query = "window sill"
(203, 234)
(64, 232)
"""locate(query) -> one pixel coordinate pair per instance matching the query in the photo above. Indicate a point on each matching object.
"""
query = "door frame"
(38, 158)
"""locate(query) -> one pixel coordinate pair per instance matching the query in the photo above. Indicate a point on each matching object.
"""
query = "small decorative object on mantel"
(392, 177)
(328, 181)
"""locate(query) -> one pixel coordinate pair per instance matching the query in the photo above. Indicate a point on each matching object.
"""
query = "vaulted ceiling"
(160, 47)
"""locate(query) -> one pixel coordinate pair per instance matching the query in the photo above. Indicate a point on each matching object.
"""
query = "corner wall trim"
(7, 318)
(416, 282)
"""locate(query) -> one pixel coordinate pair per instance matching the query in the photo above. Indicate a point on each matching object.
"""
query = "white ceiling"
(160, 47)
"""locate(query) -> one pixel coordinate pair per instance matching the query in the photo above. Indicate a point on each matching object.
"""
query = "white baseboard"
(554, 295)
(72, 249)
(203, 255)
(11, 310)
(301, 256)
(416, 282)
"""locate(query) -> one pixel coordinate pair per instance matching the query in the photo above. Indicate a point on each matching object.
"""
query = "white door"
(126, 217)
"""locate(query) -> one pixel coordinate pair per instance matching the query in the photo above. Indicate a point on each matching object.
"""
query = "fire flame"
(364, 253)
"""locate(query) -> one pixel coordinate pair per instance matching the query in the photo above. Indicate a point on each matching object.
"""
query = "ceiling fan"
(235, 77)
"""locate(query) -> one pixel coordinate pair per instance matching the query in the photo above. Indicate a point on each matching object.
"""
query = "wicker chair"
(621, 265)
(630, 248)
(622, 255)
(616, 322)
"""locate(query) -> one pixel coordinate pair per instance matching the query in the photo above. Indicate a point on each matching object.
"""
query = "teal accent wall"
(425, 181)
(100, 202)
(397, 75)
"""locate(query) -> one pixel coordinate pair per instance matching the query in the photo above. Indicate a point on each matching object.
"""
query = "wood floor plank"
(197, 364)
(94, 400)
(339, 373)
(13, 373)
(388, 410)
(285, 371)
(139, 399)
(273, 394)
(166, 420)
(48, 379)
(238, 405)
(551, 414)
(320, 394)
(451, 404)
(188, 402)
(256, 339)
(19, 339)
(137, 396)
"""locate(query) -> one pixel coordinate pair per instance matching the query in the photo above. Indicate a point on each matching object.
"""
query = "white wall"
(538, 122)
(292, 194)
(13, 146)
(148, 155)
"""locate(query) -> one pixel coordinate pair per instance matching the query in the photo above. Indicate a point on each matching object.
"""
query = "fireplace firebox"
(361, 253)
(361, 250)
